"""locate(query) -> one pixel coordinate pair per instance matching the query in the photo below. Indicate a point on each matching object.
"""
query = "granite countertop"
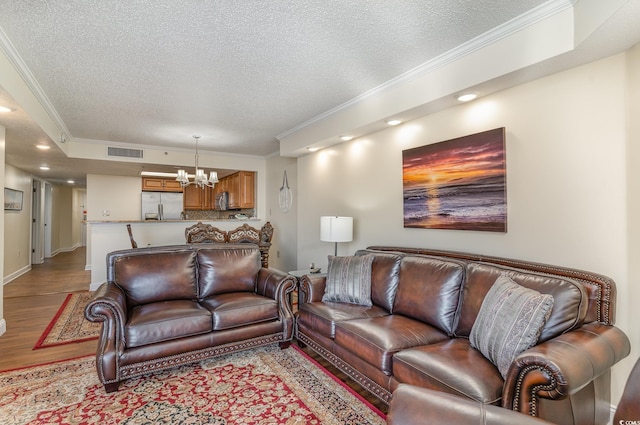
(173, 221)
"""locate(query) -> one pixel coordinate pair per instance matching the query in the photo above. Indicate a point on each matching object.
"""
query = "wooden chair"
(248, 234)
(204, 233)
(134, 245)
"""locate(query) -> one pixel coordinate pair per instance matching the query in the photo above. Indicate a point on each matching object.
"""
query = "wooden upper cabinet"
(196, 198)
(247, 189)
(159, 184)
(241, 188)
(152, 183)
(172, 185)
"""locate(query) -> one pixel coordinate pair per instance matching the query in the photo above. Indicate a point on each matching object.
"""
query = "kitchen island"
(106, 236)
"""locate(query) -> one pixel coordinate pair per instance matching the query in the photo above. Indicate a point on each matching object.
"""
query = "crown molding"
(494, 35)
(30, 80)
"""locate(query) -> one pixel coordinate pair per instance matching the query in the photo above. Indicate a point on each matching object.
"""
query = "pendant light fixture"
(200, 177)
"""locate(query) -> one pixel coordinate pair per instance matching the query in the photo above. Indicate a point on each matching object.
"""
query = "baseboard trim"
(16, 274)
(3, 326)
(68, 249)
(612, 412)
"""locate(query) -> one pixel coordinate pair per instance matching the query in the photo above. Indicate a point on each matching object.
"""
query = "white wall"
(629, 295)
(566, 180)
(283, 252)
(17, 225)
(65, 227)
(114, 195)
(119, 196)
(3, 323)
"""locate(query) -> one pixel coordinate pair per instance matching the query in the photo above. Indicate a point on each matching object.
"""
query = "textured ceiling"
(239, 73)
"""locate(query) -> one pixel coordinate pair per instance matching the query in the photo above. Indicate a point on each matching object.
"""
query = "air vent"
(124, 152)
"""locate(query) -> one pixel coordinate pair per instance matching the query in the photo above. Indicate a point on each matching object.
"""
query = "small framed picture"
(13, 199)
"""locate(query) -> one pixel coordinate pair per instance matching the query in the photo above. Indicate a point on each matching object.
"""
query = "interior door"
(37, 227)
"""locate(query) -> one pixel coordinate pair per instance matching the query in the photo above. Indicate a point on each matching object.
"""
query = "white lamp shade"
(336, 229)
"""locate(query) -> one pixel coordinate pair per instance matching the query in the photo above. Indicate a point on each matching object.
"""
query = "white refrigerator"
(161, 206)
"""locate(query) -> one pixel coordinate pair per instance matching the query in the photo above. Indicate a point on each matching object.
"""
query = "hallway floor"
(32, 300)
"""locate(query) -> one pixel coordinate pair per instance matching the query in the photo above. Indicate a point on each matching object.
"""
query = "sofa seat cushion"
(452, 366)
(164, 321)
(322, 317)
(239, 309)
(377, 339)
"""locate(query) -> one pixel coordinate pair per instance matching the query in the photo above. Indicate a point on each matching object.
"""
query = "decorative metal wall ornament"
(286, 195)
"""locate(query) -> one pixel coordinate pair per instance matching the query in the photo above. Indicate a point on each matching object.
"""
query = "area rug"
(69, 325)
(264, 385)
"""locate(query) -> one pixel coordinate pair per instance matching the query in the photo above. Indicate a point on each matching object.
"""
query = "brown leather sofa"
(425, 303)
(166, 306)
(411, 405)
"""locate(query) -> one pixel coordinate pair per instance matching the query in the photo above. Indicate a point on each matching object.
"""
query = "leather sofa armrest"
(411, 405)
(563, 365)
(109, 306)
(312, 287)
(278, 285)
(275, 284)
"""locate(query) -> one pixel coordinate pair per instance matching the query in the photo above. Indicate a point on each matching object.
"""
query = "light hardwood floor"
(32, 300)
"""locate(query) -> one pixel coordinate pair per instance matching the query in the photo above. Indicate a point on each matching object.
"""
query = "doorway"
(41, 213)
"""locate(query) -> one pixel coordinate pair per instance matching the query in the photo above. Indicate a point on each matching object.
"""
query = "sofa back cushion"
(569, 297)
(227, 268)
(155, 276)
(429, 290)
(385, 273)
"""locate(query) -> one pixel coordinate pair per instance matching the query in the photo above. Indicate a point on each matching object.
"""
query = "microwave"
(222, 201)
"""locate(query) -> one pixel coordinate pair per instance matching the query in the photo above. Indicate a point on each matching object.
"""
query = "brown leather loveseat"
(425, 308)
(166, 306)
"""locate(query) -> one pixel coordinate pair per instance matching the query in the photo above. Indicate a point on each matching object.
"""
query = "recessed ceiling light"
(5, 109)
(467, 97)
(346, 138)
(394, 122)
(43, 147)
(71, 181)
(44, 167)
(312, 149)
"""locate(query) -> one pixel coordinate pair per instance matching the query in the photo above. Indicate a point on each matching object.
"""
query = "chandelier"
(200, 178)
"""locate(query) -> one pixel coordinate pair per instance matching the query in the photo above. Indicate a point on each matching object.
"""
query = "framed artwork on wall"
(457, 184)
(13, 199)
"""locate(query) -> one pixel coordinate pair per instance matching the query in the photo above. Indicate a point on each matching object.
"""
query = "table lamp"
(336, 229)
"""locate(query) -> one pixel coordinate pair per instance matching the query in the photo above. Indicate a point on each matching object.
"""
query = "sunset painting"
(457, 184)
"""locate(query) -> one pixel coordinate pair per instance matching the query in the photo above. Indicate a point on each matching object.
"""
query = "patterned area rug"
(260, 386)
(69, 325)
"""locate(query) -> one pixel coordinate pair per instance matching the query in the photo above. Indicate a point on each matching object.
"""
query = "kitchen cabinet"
(196, 198)
(159, 184)
(241, 188)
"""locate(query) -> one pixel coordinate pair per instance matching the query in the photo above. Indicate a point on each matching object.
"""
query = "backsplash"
(217, 215)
